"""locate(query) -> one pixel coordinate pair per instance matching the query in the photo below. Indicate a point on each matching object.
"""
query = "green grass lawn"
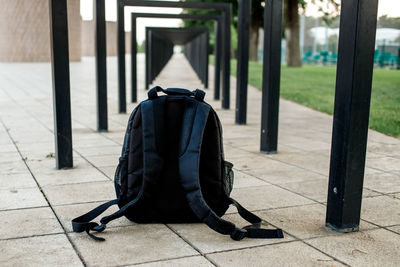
(314, 87)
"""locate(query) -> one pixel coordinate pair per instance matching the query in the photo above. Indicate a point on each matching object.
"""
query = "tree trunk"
(253, 55)
(292, 33)
(256, 21)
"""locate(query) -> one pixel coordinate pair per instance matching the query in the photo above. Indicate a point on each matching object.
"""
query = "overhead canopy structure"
(160, 44)
(200, 17)
(224, 9)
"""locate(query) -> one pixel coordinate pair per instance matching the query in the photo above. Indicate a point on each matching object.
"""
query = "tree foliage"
(388, 22)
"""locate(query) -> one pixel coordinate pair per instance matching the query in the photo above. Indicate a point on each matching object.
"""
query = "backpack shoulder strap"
(153, 164)
(195, 119)
(153, 125)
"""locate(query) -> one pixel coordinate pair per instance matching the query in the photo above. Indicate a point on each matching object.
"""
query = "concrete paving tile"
(309, 144)
(79, 193)
(208, 241)
(304, 221)
(109, 171)
(37, 251)
(260, 163)
(104, 160)
(48, 165)
(103, 150)
(79, 174)
(316, 189)
(266, 197)
(382, 210)
(17, 180)
(134, 244)
(282, 148)
(384, 163)
(95, 142)
(287, 254)
(395, 228)
(28, 222)
(9, 157)
(315, 161)
(21, 198)
(287, 174)
(7, 148)
(373, 248)
(242, 179)
(182, 262)
(384, 182)
(40, 155)
(68, 212)
(47, 146)
(17, 166)
(5, 139)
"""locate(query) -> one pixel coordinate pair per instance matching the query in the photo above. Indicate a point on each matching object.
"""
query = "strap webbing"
(83, 222)
(192, 134)
(153, 128)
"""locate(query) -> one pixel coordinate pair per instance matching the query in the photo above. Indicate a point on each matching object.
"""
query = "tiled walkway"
(287, 190)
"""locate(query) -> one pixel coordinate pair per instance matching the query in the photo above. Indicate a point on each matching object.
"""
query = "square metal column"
(121, 57)
(61, 83)
(271, 76)
(242, 61)
(351, 113)
(101, 65)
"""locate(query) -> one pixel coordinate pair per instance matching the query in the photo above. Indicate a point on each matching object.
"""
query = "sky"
(386, 7)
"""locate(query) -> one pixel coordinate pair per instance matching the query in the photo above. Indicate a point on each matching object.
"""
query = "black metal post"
(217, 59)
(147, 60)
(351, 113)
(271, 76)
(226, 70)
(133, 59)
(101, 66)
(242, 61)
(207, 52)
(61, 83)
(121, 57)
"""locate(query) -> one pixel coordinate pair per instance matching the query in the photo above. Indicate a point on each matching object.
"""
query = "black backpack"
(172, 169)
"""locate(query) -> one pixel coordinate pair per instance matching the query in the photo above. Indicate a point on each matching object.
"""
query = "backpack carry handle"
(197, 94)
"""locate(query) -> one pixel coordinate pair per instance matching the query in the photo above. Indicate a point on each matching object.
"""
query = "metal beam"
(226, 67)
(271, 76)
(242, 61)
(133, 60)
(218, 51)
(225, 9)
(351, 113)
(121, 57)
(61, 83)
(101, 65)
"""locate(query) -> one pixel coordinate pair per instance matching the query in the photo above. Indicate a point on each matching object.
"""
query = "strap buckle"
(238, 234)
(99, 228)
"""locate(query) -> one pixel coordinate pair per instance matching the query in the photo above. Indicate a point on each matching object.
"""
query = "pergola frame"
(167, 36)
(352, 98)
(224, 8)
(218, 45)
